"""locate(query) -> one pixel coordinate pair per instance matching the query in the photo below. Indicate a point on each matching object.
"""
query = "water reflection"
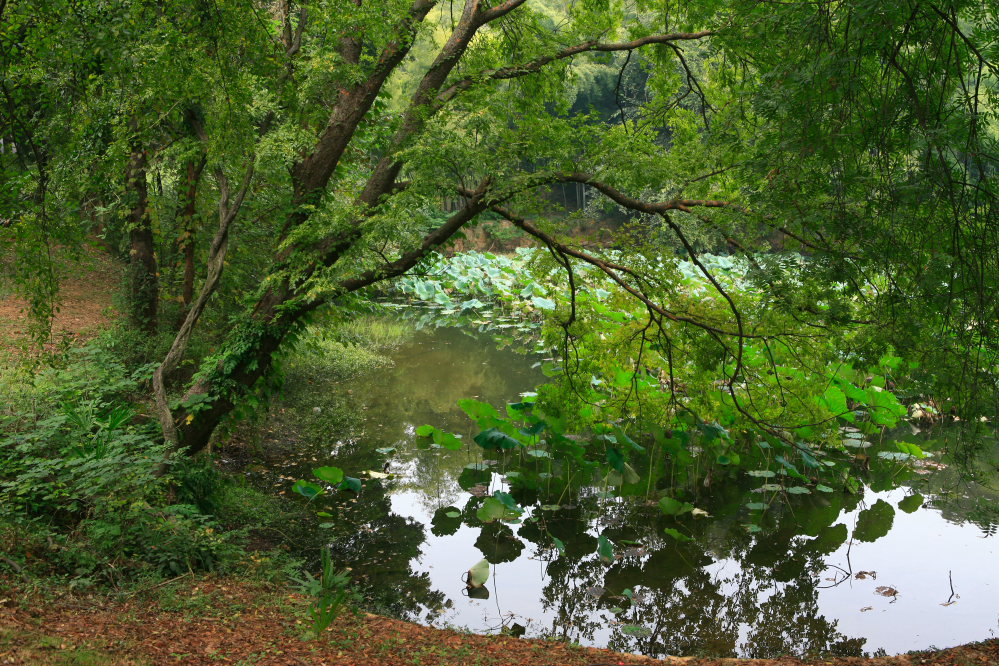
(806, 585)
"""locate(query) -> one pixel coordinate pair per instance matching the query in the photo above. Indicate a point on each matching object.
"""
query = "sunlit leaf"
(478, 574)
(673, 507)
(331, 475)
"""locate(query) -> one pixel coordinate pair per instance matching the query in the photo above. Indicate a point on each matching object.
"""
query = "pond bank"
(225, 621)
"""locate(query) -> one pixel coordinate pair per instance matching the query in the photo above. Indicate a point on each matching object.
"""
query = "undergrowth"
(82, 497)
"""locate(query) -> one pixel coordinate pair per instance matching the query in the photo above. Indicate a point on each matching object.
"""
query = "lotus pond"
(908, 562)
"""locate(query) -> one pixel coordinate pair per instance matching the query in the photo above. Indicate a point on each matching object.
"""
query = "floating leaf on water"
(863, 575)
(886, 591)
(866, 608)
(550, 507)
(559, 545)
(752, 528)
(372, 474)
(636, 630)
(756, 506)
(897, 456)
(770, 487)
(824, 489)
(453, 514)
(762, 473)
(425, 430)
(798, 490)
(492, 510)
(700, 513)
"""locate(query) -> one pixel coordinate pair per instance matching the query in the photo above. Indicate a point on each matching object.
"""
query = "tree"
(860, 134)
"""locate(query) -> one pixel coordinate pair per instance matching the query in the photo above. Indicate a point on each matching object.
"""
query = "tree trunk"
(279, 315)
(143, 279)
(188, 228)
(247, 357)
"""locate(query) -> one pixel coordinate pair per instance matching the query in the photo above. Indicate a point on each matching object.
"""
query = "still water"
(909, 566)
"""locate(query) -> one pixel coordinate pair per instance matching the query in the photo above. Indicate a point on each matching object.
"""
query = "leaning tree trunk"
(252, 345)
(143, 280)
(247, 357)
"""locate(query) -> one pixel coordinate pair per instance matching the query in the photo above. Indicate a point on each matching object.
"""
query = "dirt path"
(219, 621)
(85, 306)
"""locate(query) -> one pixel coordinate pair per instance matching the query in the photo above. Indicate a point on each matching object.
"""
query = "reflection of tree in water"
(680, 604)
(684, 601)
(423, 385)
(378, 545)
(788, 623)
(967, 489)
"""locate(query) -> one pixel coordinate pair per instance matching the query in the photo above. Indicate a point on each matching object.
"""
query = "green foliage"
(332, 594)
(81, 489)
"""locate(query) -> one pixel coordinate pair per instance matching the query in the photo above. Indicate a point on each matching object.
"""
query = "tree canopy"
(258, 161)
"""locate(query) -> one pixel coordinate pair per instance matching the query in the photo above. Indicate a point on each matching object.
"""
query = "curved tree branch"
(216, 264)
(534, 66)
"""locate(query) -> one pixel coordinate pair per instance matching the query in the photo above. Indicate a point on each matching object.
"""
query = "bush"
(80, 492)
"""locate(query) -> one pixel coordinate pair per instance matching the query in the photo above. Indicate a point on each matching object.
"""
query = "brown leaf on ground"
(215, 621)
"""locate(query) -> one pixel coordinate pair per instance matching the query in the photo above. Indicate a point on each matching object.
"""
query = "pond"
(908, 564)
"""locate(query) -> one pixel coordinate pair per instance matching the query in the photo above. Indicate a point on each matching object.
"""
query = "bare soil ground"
(85, 305)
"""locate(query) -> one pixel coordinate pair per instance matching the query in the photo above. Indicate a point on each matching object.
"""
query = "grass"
(373, 331)
(344, 350)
